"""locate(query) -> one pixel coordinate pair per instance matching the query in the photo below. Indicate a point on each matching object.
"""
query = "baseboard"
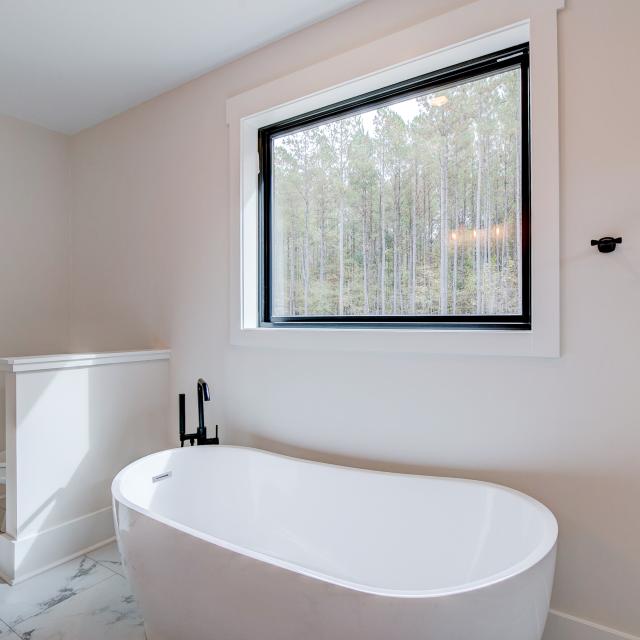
(25, 557)
(562, 626)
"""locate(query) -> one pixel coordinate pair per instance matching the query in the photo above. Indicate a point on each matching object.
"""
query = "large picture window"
(406, 206)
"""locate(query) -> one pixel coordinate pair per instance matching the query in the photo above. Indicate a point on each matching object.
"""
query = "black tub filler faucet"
(200, 436)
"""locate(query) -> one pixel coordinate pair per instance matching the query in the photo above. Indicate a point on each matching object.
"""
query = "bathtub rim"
(544, 549)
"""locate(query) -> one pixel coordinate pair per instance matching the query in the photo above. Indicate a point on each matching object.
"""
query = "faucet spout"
(203, 396)
(204, 388)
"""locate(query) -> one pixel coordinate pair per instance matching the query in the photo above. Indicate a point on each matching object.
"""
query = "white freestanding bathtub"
(232, 543)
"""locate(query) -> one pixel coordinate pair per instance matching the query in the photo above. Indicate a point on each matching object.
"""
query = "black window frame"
(511, 58)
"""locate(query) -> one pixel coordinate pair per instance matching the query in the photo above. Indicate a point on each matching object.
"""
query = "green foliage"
(413, 208)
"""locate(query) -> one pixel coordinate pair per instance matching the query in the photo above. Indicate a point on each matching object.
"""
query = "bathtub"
(232, 543)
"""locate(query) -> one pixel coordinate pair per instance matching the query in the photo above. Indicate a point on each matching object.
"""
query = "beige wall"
(35, 243)
(35, 255)
(151, 267)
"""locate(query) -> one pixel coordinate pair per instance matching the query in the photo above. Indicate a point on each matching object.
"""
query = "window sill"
(480, 342)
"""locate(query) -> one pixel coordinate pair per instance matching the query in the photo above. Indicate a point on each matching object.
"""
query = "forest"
(408, 209)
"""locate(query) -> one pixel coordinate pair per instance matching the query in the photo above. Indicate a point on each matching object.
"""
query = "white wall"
(35, 255)
(151, 266)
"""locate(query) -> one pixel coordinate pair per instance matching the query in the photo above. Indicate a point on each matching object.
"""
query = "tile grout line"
(121, 576)
(11, 629)
(106, 566)
(14, 632)
(35, 615)
(53, 606)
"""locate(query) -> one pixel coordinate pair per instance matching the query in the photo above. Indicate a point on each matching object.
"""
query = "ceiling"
(69, 64)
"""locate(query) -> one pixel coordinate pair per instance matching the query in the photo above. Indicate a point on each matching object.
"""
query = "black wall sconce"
(606, 244)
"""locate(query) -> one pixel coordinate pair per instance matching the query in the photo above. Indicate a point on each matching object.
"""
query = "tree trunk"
(476, 233)
(305, 256)
(365, 264)
(322, 247)
(454, 284)
(396, 255)
(341, 259)
(488, 240)
(412, 269)
(444, 229)
(341, 216)
(292, 277)
(383, 240)
(429, 273)
(518, 205)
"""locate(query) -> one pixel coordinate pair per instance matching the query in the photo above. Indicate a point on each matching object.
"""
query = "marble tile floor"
(84, 599)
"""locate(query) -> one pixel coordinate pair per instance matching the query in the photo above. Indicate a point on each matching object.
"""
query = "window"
(407, 206)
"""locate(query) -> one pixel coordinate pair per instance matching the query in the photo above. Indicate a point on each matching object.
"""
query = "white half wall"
(72, 424)
(151, 248)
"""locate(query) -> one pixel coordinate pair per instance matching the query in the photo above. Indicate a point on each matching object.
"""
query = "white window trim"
(471, 31)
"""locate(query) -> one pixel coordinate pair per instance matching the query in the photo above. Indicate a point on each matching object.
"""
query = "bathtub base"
(191, 589)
